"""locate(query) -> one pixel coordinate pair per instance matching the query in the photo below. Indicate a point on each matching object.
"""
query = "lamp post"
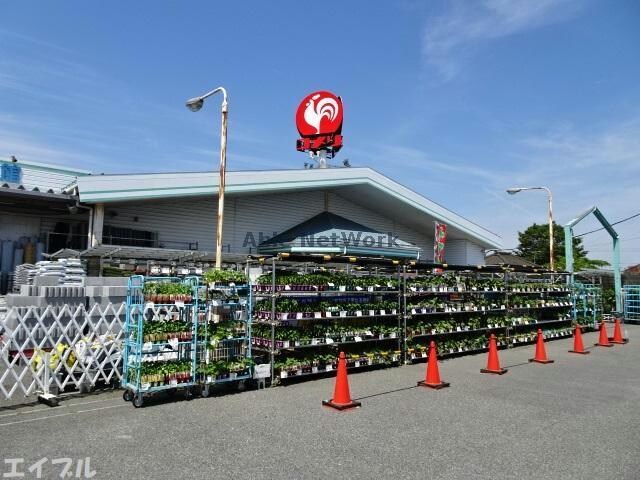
(514, 190)
(195, 104)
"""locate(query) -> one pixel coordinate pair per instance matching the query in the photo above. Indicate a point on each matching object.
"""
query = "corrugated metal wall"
(179, 222)
(475, 254)
(188, 220)
(463, 252)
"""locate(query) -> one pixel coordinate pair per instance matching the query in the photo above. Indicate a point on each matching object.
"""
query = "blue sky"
(457, 100)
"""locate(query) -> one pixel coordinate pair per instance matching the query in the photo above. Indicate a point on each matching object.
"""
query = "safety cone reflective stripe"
(603, 341)
(493, 363)
(617, 334)
(541, 351)
(341, 395)
(432, 379)
(578, 346)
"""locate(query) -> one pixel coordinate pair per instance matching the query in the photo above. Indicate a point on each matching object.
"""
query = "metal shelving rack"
(587, 304)
(632, 303)
(350, 343)
(460, 317)
(162, 350)
(225, 337)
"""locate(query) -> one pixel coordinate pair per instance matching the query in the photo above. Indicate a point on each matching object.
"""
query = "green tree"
(534, 246)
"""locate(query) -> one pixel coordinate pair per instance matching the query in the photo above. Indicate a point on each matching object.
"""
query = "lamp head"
(195, 104)
(513, 191)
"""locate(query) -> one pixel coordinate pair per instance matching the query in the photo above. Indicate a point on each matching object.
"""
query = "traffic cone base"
(341, 406)
(619, 342)
(584, 352)
(602, 345)
(436, 386)
(502, 371)
(540, 361)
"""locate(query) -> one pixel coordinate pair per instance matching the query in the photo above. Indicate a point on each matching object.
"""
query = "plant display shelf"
(160, 338)
(285, 318)
(323, 293)
(415, 313)
(475, 301)
(476, 298)
(587, 304)
(265, 343)
(224, 346)
(362, 363)
(416, 292)
(292, 299)
(487, 329)
(420, 354)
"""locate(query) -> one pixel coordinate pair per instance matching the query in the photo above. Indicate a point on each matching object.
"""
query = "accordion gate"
(57, 348)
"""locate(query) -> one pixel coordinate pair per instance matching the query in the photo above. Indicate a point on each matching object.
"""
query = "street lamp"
(514, 190)
(195, 104)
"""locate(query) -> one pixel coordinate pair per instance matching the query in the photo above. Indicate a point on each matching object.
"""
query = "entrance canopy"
(329, 233)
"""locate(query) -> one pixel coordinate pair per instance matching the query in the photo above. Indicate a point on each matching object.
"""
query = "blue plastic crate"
(10, 173)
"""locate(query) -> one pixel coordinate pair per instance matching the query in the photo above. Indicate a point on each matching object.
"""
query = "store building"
(178, 211)
(56, 208)
(37, 215)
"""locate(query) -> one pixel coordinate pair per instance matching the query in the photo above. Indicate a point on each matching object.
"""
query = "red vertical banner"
(439, 242)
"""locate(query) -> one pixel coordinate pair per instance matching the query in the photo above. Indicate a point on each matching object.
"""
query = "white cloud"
(27, 148)
(582, 169)
(467, 25)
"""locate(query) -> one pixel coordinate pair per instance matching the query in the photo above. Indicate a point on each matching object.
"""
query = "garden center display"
(193, 334)
(304, 314)
(180, 334)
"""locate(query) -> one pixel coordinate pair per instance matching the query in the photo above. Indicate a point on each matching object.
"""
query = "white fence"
(82, 348)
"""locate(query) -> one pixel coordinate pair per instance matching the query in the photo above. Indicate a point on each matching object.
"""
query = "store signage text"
(349, 239)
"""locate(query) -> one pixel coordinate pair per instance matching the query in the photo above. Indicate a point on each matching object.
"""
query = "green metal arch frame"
(568, 248)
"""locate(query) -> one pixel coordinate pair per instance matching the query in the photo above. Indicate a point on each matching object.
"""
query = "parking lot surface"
(576, 418)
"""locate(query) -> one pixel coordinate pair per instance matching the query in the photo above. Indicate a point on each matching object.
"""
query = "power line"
(614, 223)
(601, 244)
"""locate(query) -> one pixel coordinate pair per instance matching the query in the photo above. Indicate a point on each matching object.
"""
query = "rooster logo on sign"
(314, 113)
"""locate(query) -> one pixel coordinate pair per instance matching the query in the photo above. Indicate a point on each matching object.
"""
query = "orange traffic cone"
(432, 380)
(341, 396)
(541, 351)
(603, 341)
(578, 347)
(493, 363)
(617, 334)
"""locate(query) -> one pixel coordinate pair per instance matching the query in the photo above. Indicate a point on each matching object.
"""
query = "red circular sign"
(319, 113)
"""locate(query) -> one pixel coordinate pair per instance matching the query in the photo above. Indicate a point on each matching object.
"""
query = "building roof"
(331, 233)
(503, 258)
(21, 199)
(45, 176)
(123, 252)
(360, 185)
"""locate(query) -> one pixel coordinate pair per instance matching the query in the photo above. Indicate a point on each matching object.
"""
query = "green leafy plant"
(224, 276)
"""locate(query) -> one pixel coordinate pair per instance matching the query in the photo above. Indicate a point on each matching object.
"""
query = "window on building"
(129, 237)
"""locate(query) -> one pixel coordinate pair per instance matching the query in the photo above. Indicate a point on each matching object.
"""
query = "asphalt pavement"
(578, 418)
